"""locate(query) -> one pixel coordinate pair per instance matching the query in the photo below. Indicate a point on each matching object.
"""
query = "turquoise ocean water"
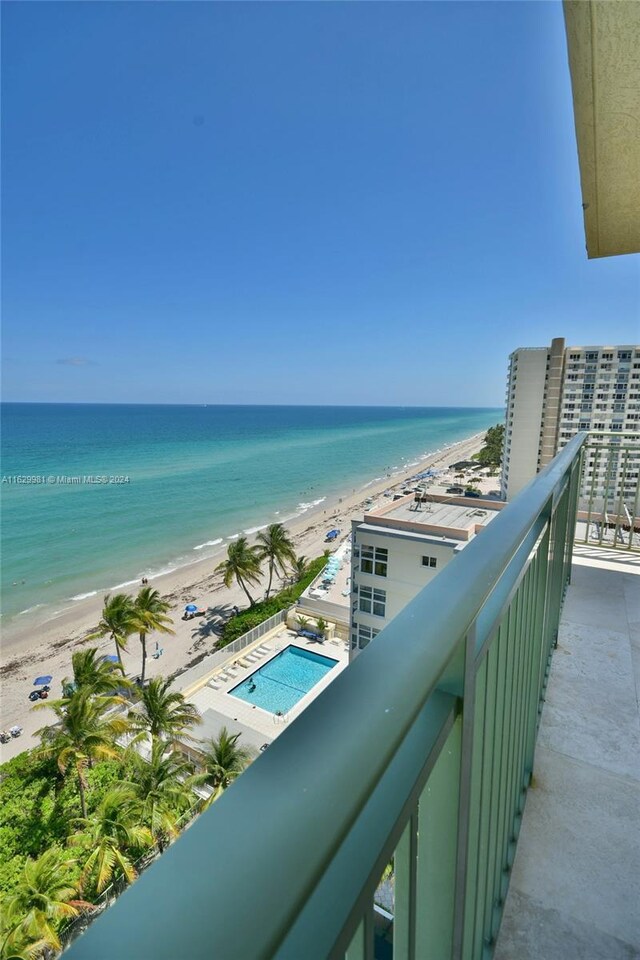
(196, 476)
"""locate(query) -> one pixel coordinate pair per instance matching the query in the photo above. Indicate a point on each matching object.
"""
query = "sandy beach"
(32, 649)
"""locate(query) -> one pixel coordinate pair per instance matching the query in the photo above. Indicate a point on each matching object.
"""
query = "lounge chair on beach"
(213, 684)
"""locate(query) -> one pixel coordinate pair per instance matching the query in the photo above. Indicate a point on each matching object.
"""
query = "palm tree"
(94, 673)
(223, 762)
(276, 546)
(162, 713)
(113, 832)
(83, 733)
(118, 621)
(150, 614)
(299, 567)
(160, 782)
(242, 564)
(44, 895)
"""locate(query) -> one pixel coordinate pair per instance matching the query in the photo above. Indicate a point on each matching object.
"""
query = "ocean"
(121, 491)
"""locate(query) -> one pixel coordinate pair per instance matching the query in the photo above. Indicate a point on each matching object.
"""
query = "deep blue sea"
(195, 476)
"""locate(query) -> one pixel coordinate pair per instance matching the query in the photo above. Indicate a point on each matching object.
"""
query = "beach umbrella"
(110, 658)
(191, 608)
(41, 681)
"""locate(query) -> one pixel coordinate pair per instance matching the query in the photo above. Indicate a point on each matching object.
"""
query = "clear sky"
(292, 202)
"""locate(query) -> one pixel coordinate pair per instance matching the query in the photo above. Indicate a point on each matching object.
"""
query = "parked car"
(455, 490)
(473, 493)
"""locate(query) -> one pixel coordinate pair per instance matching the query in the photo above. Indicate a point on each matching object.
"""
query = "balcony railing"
(420, 753)
(610, 491)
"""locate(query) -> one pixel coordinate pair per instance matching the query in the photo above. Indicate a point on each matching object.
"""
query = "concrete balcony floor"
(575, 888)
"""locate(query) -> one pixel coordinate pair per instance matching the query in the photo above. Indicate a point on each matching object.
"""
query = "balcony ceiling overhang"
(603, 37)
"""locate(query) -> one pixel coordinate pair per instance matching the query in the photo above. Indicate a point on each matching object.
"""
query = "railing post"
(405, 862)
(464, 792)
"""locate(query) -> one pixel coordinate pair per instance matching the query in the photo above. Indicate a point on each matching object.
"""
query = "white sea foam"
(30, 609)
(84, 596)
(127, 583)
(303, 506)
(252, 530)
(208, 543)
(234, 536)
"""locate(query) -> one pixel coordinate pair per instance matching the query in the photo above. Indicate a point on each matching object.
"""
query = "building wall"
(554, 393)
(525, 398)
(406, 575)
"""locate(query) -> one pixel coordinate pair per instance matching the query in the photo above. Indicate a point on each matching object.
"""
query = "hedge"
(257, 614)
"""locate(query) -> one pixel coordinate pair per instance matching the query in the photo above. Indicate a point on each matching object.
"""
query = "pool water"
(280, 683)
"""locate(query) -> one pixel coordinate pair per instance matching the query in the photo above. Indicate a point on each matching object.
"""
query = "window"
(374, 560)
(574, 356)
(624, 354)
(372, 600)
(366, 635)
(591, 356)
(607, 356)
(429, 561)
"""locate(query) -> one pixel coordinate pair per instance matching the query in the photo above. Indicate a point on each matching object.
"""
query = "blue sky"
(305, 203)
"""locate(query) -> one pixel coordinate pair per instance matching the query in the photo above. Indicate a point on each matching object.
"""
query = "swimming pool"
(283, 680)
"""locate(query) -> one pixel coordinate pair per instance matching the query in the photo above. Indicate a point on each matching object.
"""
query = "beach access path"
(47, 648)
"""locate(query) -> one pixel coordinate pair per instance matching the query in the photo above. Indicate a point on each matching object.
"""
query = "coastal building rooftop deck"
(457, 517)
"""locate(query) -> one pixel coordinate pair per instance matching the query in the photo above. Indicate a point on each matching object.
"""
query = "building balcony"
(416, 763)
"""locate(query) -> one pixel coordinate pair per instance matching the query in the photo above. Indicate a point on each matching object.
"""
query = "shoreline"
(46, 647)
(41, 615)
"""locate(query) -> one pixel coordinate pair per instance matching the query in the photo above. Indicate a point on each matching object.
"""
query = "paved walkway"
(575, 889)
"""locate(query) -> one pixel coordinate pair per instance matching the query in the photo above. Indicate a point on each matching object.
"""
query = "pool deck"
(215, 701)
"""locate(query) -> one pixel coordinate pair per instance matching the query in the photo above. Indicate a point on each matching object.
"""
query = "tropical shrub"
(280, 601)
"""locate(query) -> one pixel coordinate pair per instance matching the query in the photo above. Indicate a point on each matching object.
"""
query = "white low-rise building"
(398, 548)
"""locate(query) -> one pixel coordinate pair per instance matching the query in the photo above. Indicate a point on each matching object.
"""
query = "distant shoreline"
(14, 629)
(47, 646)
(34, 605)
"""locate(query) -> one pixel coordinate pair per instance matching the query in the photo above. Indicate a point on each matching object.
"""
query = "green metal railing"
(421, 752)
(610, 491)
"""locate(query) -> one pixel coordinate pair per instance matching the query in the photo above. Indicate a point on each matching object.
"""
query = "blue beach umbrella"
(41, 681)
(110, 658)
(191, 608)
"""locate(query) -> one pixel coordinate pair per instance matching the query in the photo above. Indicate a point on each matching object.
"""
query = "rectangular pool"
(282, 681)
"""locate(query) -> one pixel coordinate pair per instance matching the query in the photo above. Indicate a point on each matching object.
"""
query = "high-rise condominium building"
(553, 392)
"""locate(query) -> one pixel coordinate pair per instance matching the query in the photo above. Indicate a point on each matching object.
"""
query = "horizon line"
(125, 403)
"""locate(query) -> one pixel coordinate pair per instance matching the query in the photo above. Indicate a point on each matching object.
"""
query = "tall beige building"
(553, 392)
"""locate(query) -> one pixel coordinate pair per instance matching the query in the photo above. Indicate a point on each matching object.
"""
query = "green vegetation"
(223, 762)
(150, 613)
(122, 616)
(161, 712)
(86, 731)
(116, 622)
(80, 814)
(491, 453)
(242, 565)
(280, 601)
(276, 546)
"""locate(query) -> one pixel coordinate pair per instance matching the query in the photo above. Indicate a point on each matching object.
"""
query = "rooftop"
(458, 518)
